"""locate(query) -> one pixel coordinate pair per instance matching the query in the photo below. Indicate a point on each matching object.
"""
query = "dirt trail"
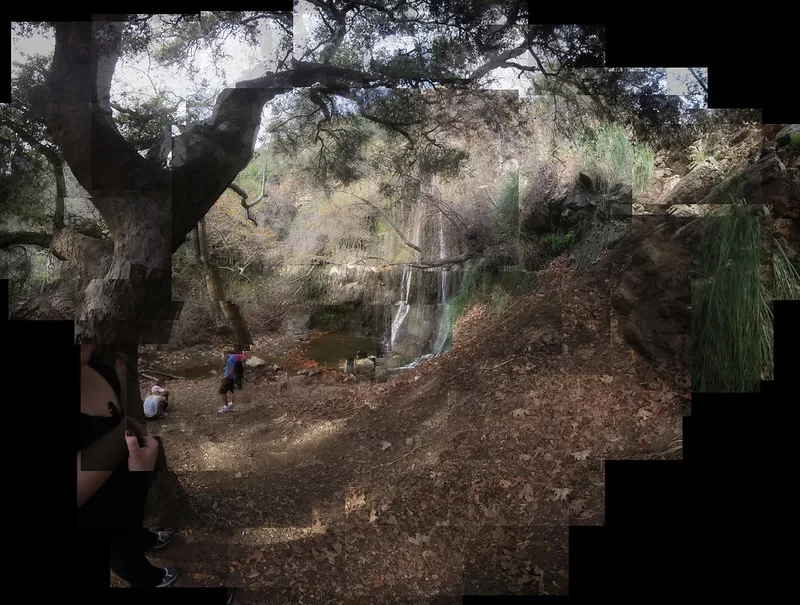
(460, 476)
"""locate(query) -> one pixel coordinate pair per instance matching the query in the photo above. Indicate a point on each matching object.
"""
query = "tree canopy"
(332, 75)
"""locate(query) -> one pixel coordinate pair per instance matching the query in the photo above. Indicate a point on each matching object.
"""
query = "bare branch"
(385, 217)
(243, 194)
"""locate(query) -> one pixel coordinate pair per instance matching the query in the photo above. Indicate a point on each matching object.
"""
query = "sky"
(245, 62)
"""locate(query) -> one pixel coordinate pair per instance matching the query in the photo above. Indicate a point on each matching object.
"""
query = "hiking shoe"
(170, 575)
(226, 408)
(162, 539)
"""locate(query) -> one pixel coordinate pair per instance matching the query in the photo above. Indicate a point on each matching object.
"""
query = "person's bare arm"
(89, 482)
(98, 460)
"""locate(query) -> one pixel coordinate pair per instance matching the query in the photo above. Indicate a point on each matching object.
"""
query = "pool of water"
(202, 371)
(330, 350)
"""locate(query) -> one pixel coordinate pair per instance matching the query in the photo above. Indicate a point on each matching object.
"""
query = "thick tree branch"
(699, 80)
(338, 30)
(423, 264)
(92, 257)
(73, 107)
(25, 238)
(498, 60)
(441, 262)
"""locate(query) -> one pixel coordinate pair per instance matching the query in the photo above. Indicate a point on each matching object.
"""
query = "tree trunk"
(216, 292)
(133, 303)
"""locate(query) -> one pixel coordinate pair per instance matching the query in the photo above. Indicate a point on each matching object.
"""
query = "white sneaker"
(226, 408)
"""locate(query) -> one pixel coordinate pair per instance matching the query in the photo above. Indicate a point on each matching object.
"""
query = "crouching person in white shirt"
(154, 406)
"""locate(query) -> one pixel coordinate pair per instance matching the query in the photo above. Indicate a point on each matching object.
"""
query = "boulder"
(255, 362)
(586, 182)
(685, 211)
(364, 366)
(785, 135)
(621, 193)
(669, 184)
(692, 188)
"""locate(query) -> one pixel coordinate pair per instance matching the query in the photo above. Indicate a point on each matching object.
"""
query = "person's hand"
(141, 458)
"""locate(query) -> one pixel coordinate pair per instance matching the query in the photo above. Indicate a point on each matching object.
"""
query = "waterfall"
(405, 282)
(442, 254)
(402, 311)
(443, 329)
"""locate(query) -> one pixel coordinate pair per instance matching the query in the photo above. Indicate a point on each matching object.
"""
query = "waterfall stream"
(405, 283)
(421, 328)
(402, 310)
(443, 329)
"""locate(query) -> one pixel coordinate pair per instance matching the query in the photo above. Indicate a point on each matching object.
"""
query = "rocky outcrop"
(763, 182)
(584, 196)
(739, 136)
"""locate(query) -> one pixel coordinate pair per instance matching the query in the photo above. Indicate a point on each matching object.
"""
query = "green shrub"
(554, 244)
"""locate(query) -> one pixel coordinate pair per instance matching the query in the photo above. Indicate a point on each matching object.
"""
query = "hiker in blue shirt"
(226, 386)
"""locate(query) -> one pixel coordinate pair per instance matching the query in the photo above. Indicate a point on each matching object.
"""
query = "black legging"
(128, 561)
(128, 541)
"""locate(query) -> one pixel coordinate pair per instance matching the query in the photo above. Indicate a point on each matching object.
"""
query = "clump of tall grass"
(611, 158)
(794, 144)
(499, 299)
(643, 163)
(606, 154)
(786, 279)
(729, 339)
(505, 214)
(594, 233)
(785, 286)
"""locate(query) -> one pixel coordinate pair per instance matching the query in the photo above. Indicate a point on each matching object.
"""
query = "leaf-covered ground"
(460, 476)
